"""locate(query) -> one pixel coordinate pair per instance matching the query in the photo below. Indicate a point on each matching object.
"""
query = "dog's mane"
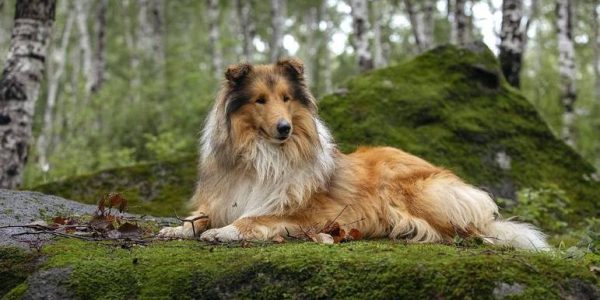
(285, 176)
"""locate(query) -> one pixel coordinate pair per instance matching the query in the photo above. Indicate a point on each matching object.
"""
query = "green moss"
(158, 188)
(15, 266)
(16, 293)
(375, 269)
(449, 105)
(452, 107)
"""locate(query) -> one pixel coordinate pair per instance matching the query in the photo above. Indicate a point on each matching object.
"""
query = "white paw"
(225, 234)
(175, 232)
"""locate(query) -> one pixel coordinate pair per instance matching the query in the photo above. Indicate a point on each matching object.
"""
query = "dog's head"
(269, 102)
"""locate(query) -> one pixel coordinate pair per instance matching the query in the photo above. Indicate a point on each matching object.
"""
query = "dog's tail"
(516, 234)
(466, 206)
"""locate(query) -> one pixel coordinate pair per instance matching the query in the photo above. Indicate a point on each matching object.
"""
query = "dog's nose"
(283, 128)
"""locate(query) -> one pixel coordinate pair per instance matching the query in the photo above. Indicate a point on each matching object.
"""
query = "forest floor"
(147, 268)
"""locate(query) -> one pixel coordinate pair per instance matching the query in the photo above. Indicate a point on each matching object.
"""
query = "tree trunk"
(378, 58)
(134, 57)
(511, 41)
(100, 51)
(56, 68)
(150, 32)
(460, 24)
(85, 44)
(20, 85)
(244, 10)
(328, 33)
(596, 47)
(361, 42)
(277, 28)
(212, 15)
(566, 67)
(422, 22)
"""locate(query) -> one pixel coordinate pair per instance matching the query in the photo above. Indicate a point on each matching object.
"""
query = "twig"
(66, 235)
(192, 220)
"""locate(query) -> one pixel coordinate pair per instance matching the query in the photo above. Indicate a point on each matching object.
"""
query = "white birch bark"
(422, 22)
(247, 28)
(566, 68)
(596, 47)
(100, 49)
(460, 23)
(327, 35)
(85, 44)
(512, 44)
(150, 32)
(212, 16)
(378, 57)
(56, 68)
(132, 49)
(20, 85)
(360, 26)
(278, 12)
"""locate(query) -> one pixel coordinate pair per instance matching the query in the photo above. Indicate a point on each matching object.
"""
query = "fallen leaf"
(355, 234)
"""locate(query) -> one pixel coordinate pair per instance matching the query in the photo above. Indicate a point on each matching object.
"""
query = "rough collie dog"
(269, 167)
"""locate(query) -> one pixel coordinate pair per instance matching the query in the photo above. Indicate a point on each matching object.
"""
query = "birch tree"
(566, 68)
(460, 23)
(596, 47)
(247, 28)
(212, 16)
(85, 44)
(150, 32)
(277, 26)
(56, 68)
(511, 40)
(422, 22)
(361, 42)
(100, 49)
(378, 12)
(20, 85)
(327, 35)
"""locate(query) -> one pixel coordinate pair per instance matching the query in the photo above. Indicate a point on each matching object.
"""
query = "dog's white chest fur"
(276, 185)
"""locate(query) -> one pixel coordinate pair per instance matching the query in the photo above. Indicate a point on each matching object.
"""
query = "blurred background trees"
(130, 81)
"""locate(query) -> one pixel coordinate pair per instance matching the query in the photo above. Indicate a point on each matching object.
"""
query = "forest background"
(130, 81)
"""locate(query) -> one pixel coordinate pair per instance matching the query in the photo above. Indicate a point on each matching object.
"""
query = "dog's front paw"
(225, 234)
(175, 232)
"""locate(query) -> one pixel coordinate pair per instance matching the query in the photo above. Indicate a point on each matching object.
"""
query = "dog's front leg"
(192, 226)
(261, 228)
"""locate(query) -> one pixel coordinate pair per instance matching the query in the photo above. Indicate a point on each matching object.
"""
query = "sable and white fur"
(255, 184)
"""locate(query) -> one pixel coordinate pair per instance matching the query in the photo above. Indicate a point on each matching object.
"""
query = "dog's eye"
(286, 98)
(261, 101)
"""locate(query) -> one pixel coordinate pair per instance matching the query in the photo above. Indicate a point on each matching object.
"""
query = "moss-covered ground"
(361, 270)
(15, 266)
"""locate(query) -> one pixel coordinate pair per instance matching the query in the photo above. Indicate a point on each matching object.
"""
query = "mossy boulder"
(450, 105)
(356, 270)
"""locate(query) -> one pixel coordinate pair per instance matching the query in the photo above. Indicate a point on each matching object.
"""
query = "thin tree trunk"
(566, 67)
(511, 41)
(212, 15)
(150, 32)
(361, 42)
(459, 26)
(82, 8)
(247, 28)
(100, 51)
(277, 27)
(20, 85)
(327, 73)
(596, 47)
(134, 56)
(56, 68)
(378, 58)
(421, 22)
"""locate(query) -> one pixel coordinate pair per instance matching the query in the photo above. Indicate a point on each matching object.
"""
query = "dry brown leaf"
(355, 234)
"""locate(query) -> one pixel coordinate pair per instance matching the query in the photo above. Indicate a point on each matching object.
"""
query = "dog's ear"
(236, 73)
(293, 67)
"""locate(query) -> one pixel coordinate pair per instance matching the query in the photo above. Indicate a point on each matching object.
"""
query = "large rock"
(450, 105)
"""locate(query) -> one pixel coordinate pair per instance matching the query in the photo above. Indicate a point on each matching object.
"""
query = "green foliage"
(547, 207)
(166, 146)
